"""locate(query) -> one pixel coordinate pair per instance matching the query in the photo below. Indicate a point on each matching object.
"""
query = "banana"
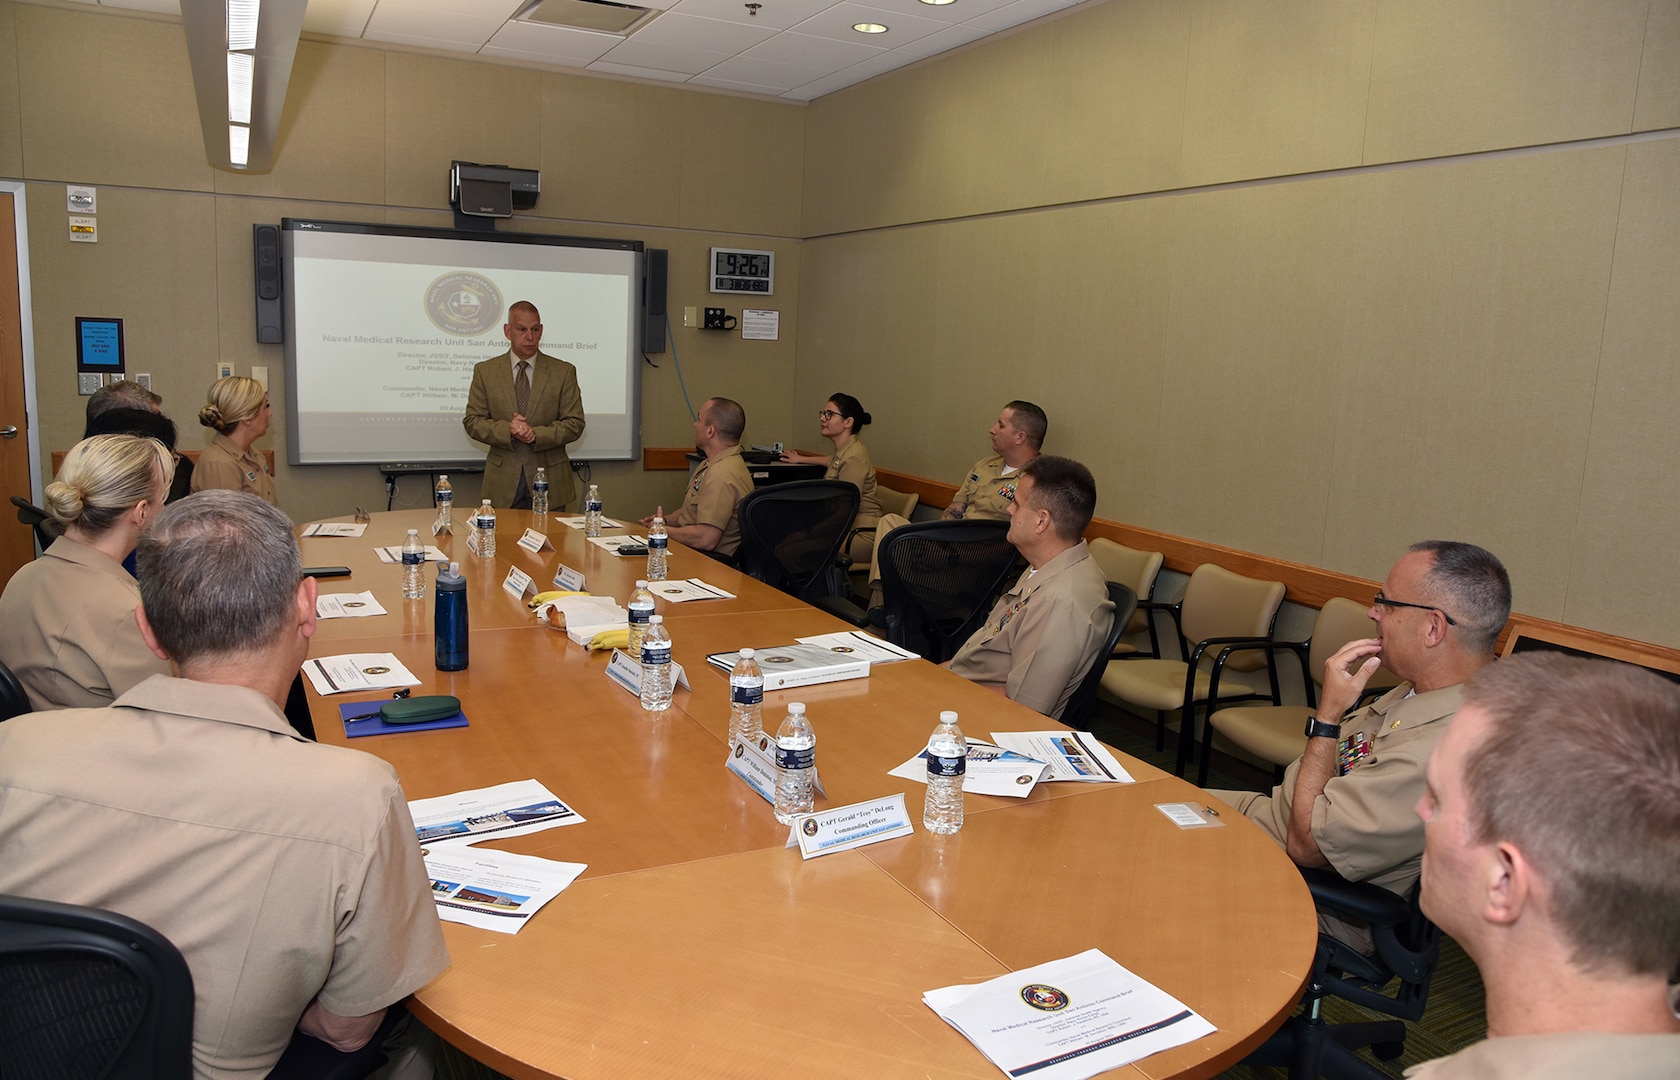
(542, 598)
(611, 639)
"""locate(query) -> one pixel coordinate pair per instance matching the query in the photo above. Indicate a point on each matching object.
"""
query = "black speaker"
(265, 258)
(654, 264)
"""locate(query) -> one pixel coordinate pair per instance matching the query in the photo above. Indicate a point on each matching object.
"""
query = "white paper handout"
(357, 671)
(493, 890)
(347, 605)
(990, 770)
(680, 592)
(1067, 1019)
(586, 616)
(860, 646)
(1073, 755)
(392, 553)
(613, 543)
(335, 528)
(512, 809)
(579, 523)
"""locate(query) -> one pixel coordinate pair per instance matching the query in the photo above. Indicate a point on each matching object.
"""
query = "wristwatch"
(1318, 729)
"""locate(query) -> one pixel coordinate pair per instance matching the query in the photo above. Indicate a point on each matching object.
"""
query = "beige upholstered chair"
(1220, 610)
(1276, 733)
(902, 503)
(1137, 569)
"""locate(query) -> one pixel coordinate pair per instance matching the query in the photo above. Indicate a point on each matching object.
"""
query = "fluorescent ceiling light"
(869, 28)
(239, 145)
(242, 24)
(239, 67)
(938, 3)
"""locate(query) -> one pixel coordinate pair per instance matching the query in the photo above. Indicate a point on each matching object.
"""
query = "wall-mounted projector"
(493, 191)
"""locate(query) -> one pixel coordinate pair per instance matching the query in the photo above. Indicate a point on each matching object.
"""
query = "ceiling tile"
(563, 45)
(638, 72)
(342, 18)
(763, 74)
(836, 22)
(452, 30)
(671, 58)
(805, 50)
(940, 41)
(776, 14)
(421, 42)
(689, 31)
(868, 69)
(499, 10)
(1017, 13)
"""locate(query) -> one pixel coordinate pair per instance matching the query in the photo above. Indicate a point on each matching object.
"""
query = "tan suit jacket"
(556, 415)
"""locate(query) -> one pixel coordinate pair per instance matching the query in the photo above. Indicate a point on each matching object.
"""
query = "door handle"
(10, 431)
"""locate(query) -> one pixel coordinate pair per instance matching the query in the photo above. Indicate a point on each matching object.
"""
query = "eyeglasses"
(1383, 601)
(827, 414)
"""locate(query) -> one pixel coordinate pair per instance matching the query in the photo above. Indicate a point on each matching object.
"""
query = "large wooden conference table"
(696, 944)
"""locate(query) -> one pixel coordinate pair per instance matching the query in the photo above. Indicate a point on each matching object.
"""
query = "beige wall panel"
(1458, 76)
(1275, 89)
(11, 116)
(741, 165)
(1623, 578)
(610, 150)
(1658, 105)
(131, 118)
(332, 134)
(1262, 290)
(439, 110)
(1080, 107)
(154, 267)
(1477, 320)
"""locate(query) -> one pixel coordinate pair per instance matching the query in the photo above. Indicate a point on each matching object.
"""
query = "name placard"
(755, 763)
(442, 527)
(517, 583)
(567, 578)
(628, 673)
(847, 827)
(533, 541)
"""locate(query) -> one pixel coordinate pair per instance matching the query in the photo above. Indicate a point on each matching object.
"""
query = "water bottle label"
(947, 766)
(592, 507)
(656, 543)
(640, 614)
(656, 654)
(746, 695)
(413, 558)
(488, 524)
(540, 485)
(795, 759)
(445, 498)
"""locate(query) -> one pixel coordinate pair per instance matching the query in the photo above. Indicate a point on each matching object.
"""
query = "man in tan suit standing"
(526, 406)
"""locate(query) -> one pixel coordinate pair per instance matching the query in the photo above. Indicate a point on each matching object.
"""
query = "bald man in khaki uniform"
(709, 519)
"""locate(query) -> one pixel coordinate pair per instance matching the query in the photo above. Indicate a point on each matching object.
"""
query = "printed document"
(1073, 755)
(579, 523)
(858, 645)
(493, 890)
(990, 770)
(1068, 1019)
(514, 809)
(682, 591)
(357, 671)
(392, 553)
(613, 543)
(335, 528)
(347, 605)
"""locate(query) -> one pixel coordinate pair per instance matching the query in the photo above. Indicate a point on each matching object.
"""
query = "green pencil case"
(418, 710)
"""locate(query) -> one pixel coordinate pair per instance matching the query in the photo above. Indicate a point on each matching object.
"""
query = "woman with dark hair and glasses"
(841, 419)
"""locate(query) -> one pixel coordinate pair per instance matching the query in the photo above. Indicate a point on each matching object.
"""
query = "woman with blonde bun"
(238, 411)
(67, 628)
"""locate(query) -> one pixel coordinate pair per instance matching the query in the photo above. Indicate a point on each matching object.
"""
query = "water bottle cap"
(414, 532)
(656, 619)
(948, 717)
(443, 476)
(640, 584)
(486, 502)
(796, 708)
(746, 654)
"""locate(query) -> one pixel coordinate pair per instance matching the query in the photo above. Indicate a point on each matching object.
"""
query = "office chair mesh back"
(89, 993)
(791, 535)
(938, 581)
(14, 700)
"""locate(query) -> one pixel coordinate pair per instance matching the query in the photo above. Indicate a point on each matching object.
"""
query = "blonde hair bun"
(210, 416)
(64, 501)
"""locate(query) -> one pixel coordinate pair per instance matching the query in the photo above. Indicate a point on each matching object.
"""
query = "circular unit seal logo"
(463, 303)
(1042, 996)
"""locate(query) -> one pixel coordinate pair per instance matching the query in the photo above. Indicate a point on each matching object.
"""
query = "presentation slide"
(384, 326)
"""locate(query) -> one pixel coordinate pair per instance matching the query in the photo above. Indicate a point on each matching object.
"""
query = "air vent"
(599, 15)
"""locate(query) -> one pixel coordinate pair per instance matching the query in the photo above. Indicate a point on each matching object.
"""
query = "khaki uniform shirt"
(223, 466)
(715, 494)
(851, 463)
(282, 869)
(987, 493)
(1366, 822)
(1565, 1056)
(67, 629)
(1042, 636)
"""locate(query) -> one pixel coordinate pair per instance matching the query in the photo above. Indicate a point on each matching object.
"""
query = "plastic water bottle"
(444, 495)
(746, 699)
(484, 525)
(947, 764)
(413, 561)
(450, 618)
(539, 492)
(656, 666)
(641, 610)
(796, 756)
(658, 541)
(592, 512)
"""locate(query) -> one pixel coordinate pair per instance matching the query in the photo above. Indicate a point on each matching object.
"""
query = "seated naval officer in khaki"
(1043, 634)
(709, 519)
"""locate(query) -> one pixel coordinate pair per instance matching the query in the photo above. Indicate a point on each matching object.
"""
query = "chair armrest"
(1362, 900)
(1231, 645)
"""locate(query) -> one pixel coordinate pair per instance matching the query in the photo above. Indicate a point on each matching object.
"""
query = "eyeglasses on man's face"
(1383, 601)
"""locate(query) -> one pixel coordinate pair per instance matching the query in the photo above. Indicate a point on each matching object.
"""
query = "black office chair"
(14, 701)
(791, 536)
(46, 529)
(90, 993)
(1077, 712)
(1407, 948)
